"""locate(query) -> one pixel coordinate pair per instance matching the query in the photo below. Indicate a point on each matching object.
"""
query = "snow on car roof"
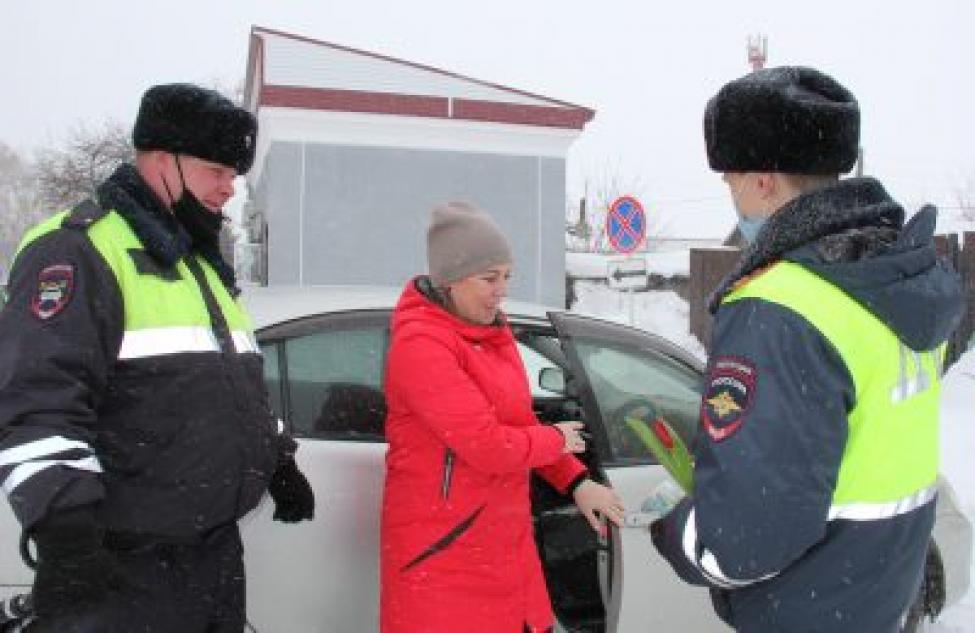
(277, 304)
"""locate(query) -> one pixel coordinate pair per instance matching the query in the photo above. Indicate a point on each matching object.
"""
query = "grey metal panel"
(366, 211)
(279, 197)
(552, 244)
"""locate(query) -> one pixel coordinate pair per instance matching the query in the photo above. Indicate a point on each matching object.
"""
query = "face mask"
(202, 224)
(750, 226)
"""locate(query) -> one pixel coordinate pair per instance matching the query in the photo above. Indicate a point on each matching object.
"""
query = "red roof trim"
(556, 102)
(521, 114)
(419, 105)
(353, 101)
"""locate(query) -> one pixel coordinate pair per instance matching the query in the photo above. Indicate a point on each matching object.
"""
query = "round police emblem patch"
(55, 286)
(729, 395)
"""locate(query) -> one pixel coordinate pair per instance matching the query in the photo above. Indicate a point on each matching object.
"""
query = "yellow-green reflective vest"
(162, 316)
(890, 462)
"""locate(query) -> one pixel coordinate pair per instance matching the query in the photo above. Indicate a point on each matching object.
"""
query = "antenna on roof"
(757, 51)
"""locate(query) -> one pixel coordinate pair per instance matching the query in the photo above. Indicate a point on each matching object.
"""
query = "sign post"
(626, 228)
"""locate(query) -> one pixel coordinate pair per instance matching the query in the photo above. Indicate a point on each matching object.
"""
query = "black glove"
(73, 568)
(721, 601)
(293, 497)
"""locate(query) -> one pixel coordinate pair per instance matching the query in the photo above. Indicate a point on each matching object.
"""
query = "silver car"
(324, 352)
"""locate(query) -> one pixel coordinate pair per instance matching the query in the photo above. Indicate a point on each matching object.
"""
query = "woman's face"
(478, 298)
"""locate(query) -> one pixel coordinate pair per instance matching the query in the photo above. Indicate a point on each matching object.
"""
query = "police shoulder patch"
(728, 397)
(55, 287)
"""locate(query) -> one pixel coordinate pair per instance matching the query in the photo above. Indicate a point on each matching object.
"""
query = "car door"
(15, 576)
(324, 376)
(624, 372)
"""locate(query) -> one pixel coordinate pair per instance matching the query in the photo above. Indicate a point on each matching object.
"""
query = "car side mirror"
(552, 379)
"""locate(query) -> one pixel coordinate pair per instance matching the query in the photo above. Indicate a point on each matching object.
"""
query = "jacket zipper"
(448, 471)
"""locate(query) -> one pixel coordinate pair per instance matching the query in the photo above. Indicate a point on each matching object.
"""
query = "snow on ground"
(666, 314)
(957, 443)
(661, 312)
(666, 264)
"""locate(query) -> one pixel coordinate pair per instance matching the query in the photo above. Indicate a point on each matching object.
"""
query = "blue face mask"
(750, 226)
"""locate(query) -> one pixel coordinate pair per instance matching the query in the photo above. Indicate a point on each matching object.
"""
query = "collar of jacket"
(156, 227)
(851, 203)
(419, 304)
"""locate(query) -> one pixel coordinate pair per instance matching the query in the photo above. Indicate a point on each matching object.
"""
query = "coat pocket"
(444, 542)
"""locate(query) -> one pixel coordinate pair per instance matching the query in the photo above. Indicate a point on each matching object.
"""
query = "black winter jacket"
(169, 446)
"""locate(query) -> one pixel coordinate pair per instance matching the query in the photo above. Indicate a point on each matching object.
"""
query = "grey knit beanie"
(461, 241)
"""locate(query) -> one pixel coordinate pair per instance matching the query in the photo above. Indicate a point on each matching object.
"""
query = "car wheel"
(930, 598)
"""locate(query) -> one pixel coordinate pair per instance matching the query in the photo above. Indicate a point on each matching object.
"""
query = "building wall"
(278, 198)
(341, 214)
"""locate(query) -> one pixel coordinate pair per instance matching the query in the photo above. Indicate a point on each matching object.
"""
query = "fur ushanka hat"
(789, 119)
(188, 119)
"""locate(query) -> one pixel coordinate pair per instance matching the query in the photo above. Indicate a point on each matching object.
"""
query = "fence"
(959, 250)
(710, 265)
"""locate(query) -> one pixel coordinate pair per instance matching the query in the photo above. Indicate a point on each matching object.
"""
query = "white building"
(354, 148)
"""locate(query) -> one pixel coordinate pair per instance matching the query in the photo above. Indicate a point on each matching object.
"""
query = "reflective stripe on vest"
(179, 340)
(890, 461)
(162, 316)
(873, 511)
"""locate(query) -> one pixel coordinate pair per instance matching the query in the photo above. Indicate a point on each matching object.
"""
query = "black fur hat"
(788, 119)
(188, 119)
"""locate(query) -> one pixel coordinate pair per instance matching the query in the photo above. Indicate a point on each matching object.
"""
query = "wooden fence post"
(966, 266)
(708, 266)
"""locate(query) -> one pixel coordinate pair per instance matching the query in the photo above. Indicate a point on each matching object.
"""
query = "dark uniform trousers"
(167, 588)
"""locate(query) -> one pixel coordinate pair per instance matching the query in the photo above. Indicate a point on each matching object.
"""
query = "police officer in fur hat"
(816, 467)
(135, 428)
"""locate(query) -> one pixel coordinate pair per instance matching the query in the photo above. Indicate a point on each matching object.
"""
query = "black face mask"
(203, 227)
(202, 224)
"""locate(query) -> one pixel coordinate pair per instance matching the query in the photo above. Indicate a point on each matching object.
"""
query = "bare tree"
(603, 186)
(232, 89)
(69, 174)
(965, 196)
(20, 206)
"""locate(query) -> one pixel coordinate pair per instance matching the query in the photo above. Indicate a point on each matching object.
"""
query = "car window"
(328, 372)
(638, 382)
(335, 383)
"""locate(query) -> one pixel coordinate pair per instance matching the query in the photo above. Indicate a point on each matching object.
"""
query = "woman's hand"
(595, 500)
(572, 436)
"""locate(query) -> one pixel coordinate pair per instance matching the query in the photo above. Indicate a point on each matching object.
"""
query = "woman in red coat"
(458, 551)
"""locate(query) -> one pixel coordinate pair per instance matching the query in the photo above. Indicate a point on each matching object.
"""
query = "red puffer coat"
(458, 551)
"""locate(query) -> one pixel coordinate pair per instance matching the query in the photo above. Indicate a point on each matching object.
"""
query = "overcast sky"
(647, 69)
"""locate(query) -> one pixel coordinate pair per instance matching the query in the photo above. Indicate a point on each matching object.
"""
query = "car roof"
(270, 305)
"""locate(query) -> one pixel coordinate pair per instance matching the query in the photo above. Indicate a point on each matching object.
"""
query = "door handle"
(639, 519)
